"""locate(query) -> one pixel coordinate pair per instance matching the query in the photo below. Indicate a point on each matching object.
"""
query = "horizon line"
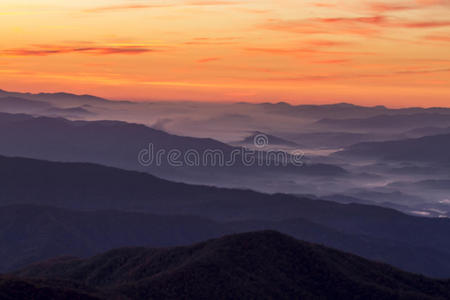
(277, 102)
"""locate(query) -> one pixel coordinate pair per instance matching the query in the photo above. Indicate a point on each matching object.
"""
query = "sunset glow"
(395, 53)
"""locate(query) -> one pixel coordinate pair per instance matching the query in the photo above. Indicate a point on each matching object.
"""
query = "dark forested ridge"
(30, 233)
(12, 288)
(252, 265)
(66, 209)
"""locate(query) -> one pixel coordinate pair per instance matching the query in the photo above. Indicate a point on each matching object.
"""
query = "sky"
(395, 53)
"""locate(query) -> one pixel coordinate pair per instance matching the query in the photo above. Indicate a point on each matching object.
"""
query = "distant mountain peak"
(61, 97)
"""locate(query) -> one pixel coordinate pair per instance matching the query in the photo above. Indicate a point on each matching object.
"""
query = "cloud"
(296, 51)
(256, 11)
(377, 20)
(431, 71)
(46, 50)
(208, 3)
(365, 26)
(425, 24)
(332, 61)
(433, 2)
(438, 38)
(312, 47)
(212, 41)
(356, 25)
(384, 21)
(382, 7)
(282, 51)
(326, 43)
(337, 77)
(208, 59)
(325, 5)
(112, 8)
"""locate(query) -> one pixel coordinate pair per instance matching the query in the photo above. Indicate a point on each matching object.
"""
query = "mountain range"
(341, 110)
(58, 99)
(263, 265)
(119, 144)
(88, 212)
(67, 208)
(20, 105)
(381, 123)
(430, 149)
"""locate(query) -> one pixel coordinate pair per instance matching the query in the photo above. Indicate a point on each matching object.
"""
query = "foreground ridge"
(263, 264)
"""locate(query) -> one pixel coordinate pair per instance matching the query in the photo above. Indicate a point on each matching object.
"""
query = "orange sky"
(395, 53)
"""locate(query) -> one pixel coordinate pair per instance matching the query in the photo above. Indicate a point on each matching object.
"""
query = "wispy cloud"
(209, 3)
(438, 38)
(377, 20)
(357, 25)
(433, 2)
(208, 59)
(45, 50)
(407, 72)
(112, 8)
(332, 61)
(349, 25)
(337, 77)
(281, 51)
(326, 43)
(382, 7)
(308, 47)
(212, 41)
(137, 6)
(302, 51)
(424, 24)
(394, 6)
(323, 4)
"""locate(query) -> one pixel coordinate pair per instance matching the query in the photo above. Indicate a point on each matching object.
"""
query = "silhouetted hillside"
(342, 110)
(92, 187)
(401, 253)
(383, 122)
(31, 233)
(426, 131)
(253, 265)
(64, 99)
(434, 149)
(19, 105)
(356, 228)
(119, 144)
(24, 289)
